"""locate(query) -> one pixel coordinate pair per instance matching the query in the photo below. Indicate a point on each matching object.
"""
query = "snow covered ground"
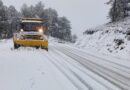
(63, 67)
(109, 39)
(29, 69)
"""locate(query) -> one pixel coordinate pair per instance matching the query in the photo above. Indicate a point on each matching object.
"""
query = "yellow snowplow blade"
(32, 43)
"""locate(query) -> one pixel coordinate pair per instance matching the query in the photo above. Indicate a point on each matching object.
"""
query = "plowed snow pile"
(112, 39)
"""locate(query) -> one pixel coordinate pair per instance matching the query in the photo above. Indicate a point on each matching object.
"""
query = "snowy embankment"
(110, 39)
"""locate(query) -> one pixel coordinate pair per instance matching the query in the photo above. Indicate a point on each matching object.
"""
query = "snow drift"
(111, 38)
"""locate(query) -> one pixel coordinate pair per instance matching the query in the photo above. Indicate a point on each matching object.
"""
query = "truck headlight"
(21, 30)
(40, 30)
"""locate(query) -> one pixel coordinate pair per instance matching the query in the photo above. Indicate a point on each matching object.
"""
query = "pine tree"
(58, 26)
(64, 29)
(13, 15)
(3, 20)
(118, 10)
(25, 11)
(39, 9)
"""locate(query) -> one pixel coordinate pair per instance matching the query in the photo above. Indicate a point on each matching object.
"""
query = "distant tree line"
(119, 9)
(59, 27)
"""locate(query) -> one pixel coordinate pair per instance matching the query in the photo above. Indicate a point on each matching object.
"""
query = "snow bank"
(111, 38)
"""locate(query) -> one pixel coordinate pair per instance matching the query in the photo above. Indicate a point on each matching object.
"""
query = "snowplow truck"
(30, 33)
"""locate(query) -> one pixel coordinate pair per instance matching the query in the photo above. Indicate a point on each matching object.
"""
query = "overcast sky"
(83, 14)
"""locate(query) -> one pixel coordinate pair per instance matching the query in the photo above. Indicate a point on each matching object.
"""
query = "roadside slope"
(111, 38)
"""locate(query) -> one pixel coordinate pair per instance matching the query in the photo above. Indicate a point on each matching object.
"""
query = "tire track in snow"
(72, 72)
(64, 73)
(103, 59)
(115, 67)
(84, 71)
(105, 73)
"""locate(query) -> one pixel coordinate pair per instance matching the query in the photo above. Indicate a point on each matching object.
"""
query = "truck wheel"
(44, 48)
(16, 46)
(37, 47)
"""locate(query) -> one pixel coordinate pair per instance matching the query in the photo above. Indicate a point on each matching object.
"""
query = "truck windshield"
(30, 26)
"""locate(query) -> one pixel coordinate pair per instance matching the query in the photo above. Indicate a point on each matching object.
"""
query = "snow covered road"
(62, 68)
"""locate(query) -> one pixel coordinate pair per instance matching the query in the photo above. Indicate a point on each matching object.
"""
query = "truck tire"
(44, 48)
(16, 46)
(37, 47)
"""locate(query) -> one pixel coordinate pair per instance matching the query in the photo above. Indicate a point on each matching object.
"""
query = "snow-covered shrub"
(118, 41)
(128, 32)
(128, 37)
(89, 32)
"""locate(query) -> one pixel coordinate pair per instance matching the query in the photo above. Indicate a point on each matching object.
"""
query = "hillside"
(111, 38)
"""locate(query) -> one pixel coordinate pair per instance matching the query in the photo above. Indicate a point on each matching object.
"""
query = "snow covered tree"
(64, 29)
(118, 10)
(128, 7)
(33, 11)
(52, 17)
(25, 10)
(3, 20)
(74, 38)
(58, 26)
(13, 15)
(39, 9)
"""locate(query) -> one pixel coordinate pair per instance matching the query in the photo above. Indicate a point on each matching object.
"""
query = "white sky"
(83, 14)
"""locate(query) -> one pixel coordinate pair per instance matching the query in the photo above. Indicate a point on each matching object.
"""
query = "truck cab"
(30, 33)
